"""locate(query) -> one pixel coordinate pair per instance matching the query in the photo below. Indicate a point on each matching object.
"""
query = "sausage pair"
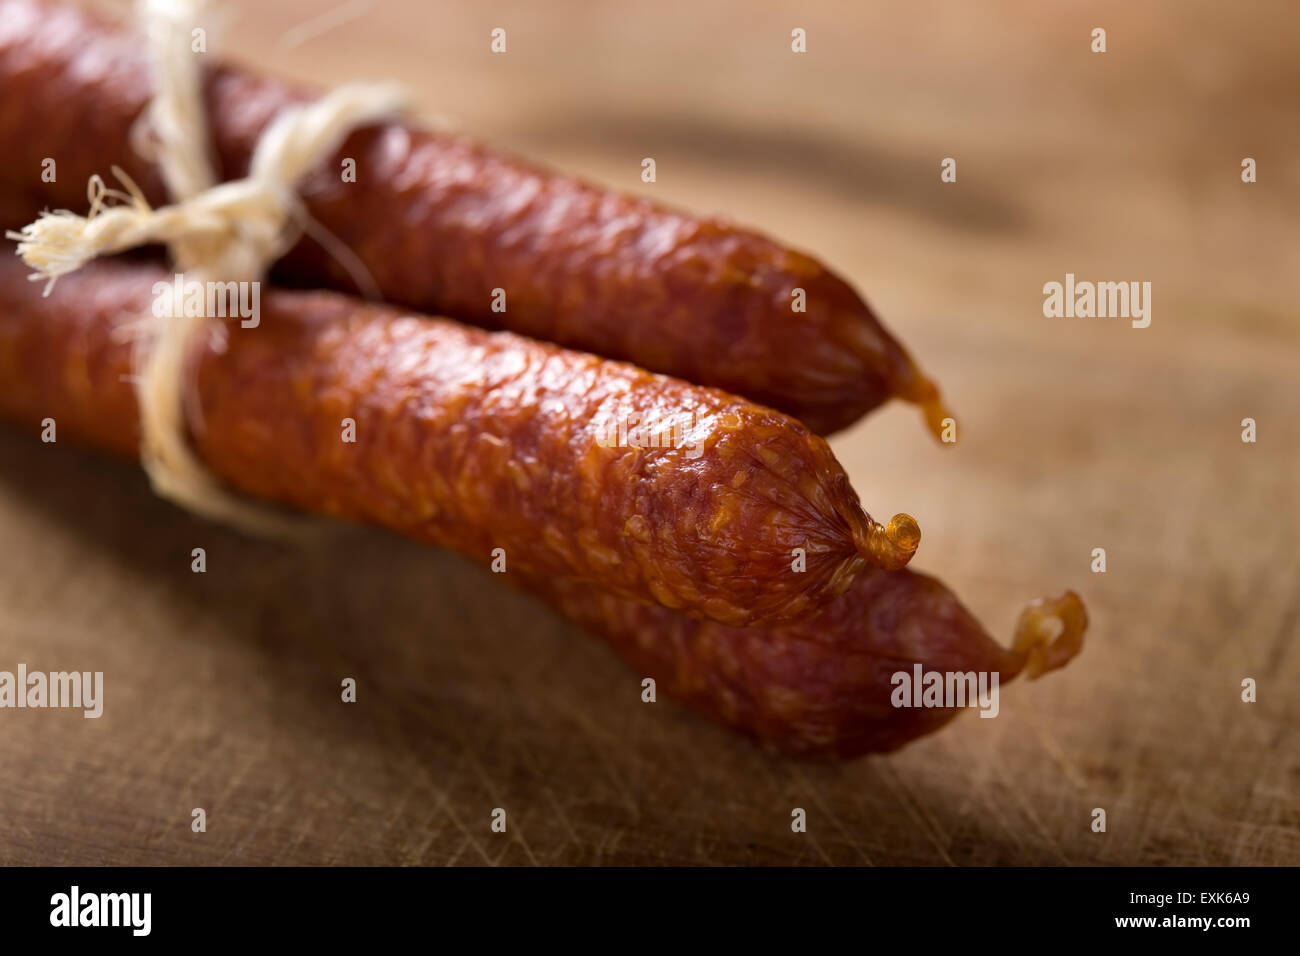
(476, 440)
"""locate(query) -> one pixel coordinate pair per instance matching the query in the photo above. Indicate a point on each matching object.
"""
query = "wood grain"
(222, 689)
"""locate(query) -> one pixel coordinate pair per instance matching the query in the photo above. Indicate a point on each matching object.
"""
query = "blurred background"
(1074, 434)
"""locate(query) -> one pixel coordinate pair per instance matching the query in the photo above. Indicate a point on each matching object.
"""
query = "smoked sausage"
(826, 686)
(821, 687)
(486, 443)
(441, 223)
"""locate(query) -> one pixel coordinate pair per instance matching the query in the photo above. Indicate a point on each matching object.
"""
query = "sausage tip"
(890, 546)
(1044, 648)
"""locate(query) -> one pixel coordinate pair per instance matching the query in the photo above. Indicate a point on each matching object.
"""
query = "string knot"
(230, 231)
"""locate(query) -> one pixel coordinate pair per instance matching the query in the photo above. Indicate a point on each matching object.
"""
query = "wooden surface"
(222, 689)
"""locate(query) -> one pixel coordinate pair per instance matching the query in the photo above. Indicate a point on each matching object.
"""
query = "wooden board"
(222, 689)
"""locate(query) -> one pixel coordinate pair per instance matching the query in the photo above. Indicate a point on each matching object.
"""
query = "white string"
(231, 231)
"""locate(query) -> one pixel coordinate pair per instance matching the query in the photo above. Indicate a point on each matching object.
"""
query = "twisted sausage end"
(1043, 650)
(890, 546)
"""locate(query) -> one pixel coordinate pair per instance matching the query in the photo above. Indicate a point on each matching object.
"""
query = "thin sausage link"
(825, 686)
(474, 441)
(440, 222)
